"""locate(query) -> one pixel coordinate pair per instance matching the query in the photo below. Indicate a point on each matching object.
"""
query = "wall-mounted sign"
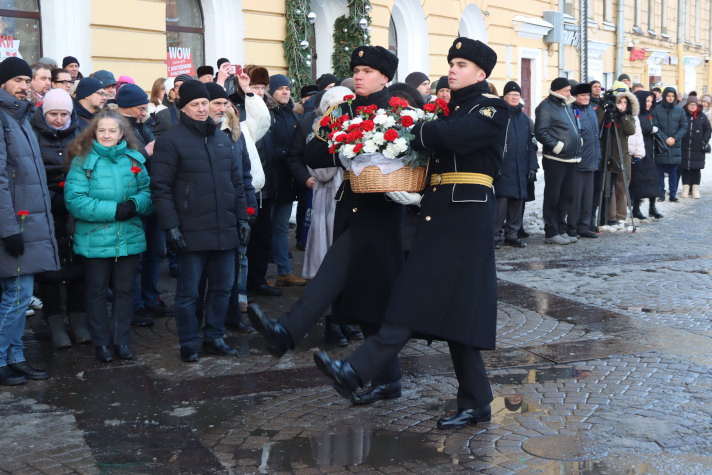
(571, 35)
(637, 54)
(9, 46)
(671, 60)
(180, 61)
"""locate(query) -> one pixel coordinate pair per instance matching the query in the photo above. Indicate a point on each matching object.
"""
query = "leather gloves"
(175, 240)
(243, 229)
(531, 176)
(14, 245)
(405, 198)
(125, 211)
(252, 220)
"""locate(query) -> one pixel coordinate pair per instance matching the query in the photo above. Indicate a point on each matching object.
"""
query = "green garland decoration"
(299, 70)
(348, 35)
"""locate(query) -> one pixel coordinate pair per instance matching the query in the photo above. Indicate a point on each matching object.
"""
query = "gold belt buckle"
(435, 179)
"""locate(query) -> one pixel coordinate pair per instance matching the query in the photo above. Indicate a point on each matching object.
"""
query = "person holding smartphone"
(226, 75)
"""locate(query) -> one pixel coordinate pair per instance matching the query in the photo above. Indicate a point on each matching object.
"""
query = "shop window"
(185, 33)
(21, 34)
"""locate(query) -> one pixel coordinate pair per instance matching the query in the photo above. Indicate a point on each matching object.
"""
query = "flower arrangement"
(386, 132)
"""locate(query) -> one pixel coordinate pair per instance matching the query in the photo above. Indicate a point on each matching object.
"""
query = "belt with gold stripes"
(347, 175)
(461, 179)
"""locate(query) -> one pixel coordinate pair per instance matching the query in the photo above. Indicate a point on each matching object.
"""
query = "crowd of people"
(101, 182)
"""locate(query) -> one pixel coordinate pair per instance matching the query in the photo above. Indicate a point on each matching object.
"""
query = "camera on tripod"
(608, 102)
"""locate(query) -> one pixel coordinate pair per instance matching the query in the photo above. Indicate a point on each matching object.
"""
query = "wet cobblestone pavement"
(604, 366)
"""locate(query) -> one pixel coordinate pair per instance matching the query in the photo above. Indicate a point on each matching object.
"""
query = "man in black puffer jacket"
(556, 128)
(672, 127)
(199, 196)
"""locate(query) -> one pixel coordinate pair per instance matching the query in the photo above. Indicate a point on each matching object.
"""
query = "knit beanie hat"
(57, 100)
(215, 91)
(192, 90)
(47, 61)
(221, 61)
(130, 95)
(416, 79)
(376, 57)
(559, 83)
(87, 87)
(69, 60)
(126, 80)
(594, 82)
(619, 85)
(623, 76)
(277, 81)
(325, 80)
(475, 51)
(442, 84)
(13, 67)
(511, 86)
(183, 78)
(106, 77)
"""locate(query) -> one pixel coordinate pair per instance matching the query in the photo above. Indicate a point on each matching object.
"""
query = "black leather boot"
(636, 210)
(333, 334)
(653, 211)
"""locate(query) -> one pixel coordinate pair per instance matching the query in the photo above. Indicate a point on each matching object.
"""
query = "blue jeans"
(671, 170)
(146, 292)
(281, 212)
(12, 317)
(220, 267)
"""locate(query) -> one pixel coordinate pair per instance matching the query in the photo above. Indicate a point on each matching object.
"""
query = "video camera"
(608, 102)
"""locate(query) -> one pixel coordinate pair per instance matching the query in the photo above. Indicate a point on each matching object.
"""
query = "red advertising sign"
(637, 54)
(9, 47)
(180, 61)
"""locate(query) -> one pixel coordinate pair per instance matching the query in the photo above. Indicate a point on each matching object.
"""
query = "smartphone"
(238, 69)
(231, 70)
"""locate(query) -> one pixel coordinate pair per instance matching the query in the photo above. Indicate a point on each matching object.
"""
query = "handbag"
(659, 145)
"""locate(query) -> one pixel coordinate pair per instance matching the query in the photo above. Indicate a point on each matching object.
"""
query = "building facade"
(656, 42)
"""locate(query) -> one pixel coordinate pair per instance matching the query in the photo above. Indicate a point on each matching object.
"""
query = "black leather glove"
(125, 211)
(175, 241)
(14, 245)
(252, 220)
(243, 229)
(531, 176)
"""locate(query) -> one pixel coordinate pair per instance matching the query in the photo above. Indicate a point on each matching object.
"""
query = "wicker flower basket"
(371, 180)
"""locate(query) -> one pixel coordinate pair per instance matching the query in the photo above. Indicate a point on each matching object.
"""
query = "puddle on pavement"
(350, 446)
(564, 447)
(540, 375)
(502, 406)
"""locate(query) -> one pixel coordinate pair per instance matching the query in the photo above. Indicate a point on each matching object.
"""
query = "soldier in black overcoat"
(448, 286)
(361, 267)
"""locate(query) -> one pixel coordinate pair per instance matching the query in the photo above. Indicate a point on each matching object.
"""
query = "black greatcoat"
(448, 286)
(645, 178)
(375, 225)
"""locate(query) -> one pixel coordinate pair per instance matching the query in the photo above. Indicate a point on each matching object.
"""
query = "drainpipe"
(620, 40)
(562, 9)
(680, 52)
(709, 64)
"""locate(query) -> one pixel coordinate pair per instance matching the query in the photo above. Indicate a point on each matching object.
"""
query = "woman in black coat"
(56, 124)
(645, 178)
(693, 147)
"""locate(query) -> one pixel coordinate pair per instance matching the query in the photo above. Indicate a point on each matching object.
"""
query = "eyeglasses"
(64, 83)
(142, 109)
(101, 93)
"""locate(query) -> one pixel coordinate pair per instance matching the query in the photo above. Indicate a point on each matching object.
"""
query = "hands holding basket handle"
(405, 198)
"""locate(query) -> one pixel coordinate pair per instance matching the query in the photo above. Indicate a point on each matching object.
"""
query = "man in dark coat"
(672, 127)
(581, 210)
(167, 118)
(556, 128)
(89, 98)
(519, 164)
(452, 256)
(27, 243)
(199, 196)
(361, 267)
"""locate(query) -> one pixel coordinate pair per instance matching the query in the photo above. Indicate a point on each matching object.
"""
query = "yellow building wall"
(265, 31)
(130, 40)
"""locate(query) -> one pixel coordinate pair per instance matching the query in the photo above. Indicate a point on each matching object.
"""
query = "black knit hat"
(87, 87)
(416, 78)
(581, 88)
(69, 60)
(215, 91)
(442, 84)
(559, 83)
(309, 90)
(326, 79)
(595, 81)
(183, 78)
(475, 51)
(203, 70)
(376, 57)
(623, 76)
(511, 86)
(13, 67)
(192, 90)
(221, 61)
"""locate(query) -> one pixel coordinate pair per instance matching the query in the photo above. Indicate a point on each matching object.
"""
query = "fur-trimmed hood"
(272, 104)
(634, 108)
(231, 121)
(567, 100)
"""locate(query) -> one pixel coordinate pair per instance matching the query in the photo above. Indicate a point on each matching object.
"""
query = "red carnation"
(354, 127)
(430, 107)
(407, 121)
(332, 149)
(343, 118)
(325, 121)
(250, 210)
(349, 97)
(358, 147)
(23, 213)
(367, 125)
(135, 170)
(62, 183)
(395, 102)
(341, 138)
(391, 135)
(334, 125)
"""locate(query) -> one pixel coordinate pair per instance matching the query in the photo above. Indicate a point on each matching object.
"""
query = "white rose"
(369, 146)
(401, 145)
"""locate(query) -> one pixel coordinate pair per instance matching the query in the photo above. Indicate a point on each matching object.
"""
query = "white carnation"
(410, 113)
(378, 138)
(390, 151)
(348, 151)
(390, 122)
(381, 111)
(401, 145)
(380, 119)
(369, 146)
(357, 120)
(421, 114)
(337, 134)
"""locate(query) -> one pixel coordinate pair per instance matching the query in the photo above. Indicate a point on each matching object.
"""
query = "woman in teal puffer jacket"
(107, 188)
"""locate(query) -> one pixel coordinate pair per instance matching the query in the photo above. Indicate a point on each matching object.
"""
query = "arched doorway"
(185, 32)
(393, 42)
(224, 31)
(411, 31)
(472, 24)
(323, 39)
(21, 30)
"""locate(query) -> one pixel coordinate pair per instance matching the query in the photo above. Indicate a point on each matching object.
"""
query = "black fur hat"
(376, 57)
(203, 70)
(407, 93)
(475, 51)
(581, 88)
